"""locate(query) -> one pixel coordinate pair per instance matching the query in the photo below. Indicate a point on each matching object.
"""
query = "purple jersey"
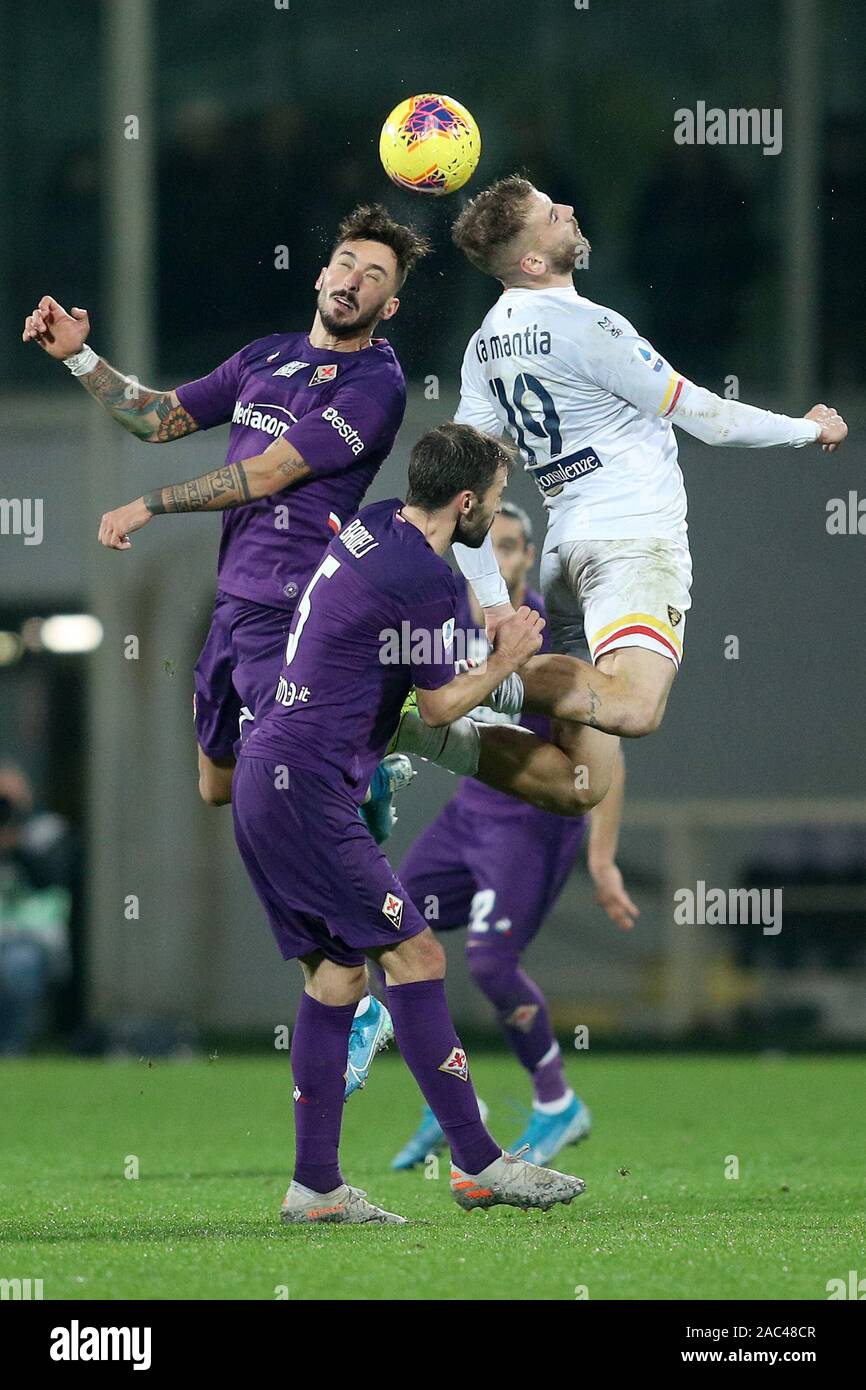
(473, 795)
(340, 410)
(376, 618)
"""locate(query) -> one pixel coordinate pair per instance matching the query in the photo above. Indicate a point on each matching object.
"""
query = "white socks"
(508, 695)
(507, 698)
(456, 746)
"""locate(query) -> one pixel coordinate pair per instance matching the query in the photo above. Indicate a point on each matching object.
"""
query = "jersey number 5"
(327, 568)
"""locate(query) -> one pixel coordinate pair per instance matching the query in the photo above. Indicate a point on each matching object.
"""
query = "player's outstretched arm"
(516, 641)
(604, 827)
(479, 565)
(715, 420)
(232, 485)
(480, 568)
(629, 366)
(154, 416)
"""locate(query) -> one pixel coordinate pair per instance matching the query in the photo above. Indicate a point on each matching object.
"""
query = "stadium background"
(258, 129)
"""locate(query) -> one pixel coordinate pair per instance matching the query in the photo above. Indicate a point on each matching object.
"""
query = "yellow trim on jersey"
(627, 620)
(669, 393)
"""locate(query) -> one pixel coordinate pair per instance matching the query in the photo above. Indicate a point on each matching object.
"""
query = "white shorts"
(601, 595)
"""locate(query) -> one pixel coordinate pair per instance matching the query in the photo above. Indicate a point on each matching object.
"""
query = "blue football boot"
(427, 1139)
(370, 1034)
(547, 1134)
(394, 772)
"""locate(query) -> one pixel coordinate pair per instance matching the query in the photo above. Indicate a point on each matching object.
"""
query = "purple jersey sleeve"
(431, 654)
(211, 399)
(345, 431)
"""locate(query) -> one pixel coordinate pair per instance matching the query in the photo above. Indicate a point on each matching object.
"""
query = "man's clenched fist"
(519, 637)
(59, 333)
(833, 428)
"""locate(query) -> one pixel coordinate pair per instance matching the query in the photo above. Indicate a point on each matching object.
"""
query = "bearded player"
(591, 406)
(331, 897)
(313, 416)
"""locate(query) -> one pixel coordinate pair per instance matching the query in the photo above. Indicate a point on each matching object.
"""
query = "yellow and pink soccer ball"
(430, 144)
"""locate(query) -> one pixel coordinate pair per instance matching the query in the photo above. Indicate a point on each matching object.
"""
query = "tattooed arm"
(154, 416)
(233, 485)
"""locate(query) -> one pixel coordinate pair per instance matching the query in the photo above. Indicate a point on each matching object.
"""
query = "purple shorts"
(497, 874)
(322, 879)
(236, 674)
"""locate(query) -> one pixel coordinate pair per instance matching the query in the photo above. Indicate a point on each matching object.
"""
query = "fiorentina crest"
(392, 907)
(522, 1017)
(323, 374)
(456, 1064)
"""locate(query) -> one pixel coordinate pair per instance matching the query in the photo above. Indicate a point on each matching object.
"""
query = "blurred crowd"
(37, 876)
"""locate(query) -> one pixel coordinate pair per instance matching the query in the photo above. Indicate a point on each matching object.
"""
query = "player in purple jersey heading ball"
(316, 413)
(331, 897)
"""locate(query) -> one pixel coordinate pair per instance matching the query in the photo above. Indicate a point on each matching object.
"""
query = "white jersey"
(588, 402)
(590, 405)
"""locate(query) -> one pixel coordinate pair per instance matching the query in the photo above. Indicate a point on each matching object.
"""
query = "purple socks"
(320, 1046)
(433, 1053)
(431, 1050)
(522, 1012)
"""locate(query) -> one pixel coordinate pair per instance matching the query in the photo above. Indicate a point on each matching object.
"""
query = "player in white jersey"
(590, 405)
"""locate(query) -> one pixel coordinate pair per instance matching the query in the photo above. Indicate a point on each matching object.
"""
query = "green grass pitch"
(659, 1220)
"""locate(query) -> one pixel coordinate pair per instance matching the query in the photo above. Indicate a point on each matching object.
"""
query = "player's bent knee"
(337, 985)
(490, 968)
(417, 958)
(642, 715)
(582, 800)
(428, 955)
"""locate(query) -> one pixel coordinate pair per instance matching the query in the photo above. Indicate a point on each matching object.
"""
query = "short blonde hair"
(489, 225)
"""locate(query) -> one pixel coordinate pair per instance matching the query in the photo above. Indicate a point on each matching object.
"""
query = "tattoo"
(123, 397)
(594, 702)
(295, 469)
(145, 413)
(174, 421)
(223, 488)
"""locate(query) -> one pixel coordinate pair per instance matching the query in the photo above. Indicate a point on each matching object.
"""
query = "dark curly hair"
(373, 222)
(489, 223)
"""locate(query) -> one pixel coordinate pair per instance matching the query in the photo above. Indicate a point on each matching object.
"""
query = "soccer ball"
(430, 144)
